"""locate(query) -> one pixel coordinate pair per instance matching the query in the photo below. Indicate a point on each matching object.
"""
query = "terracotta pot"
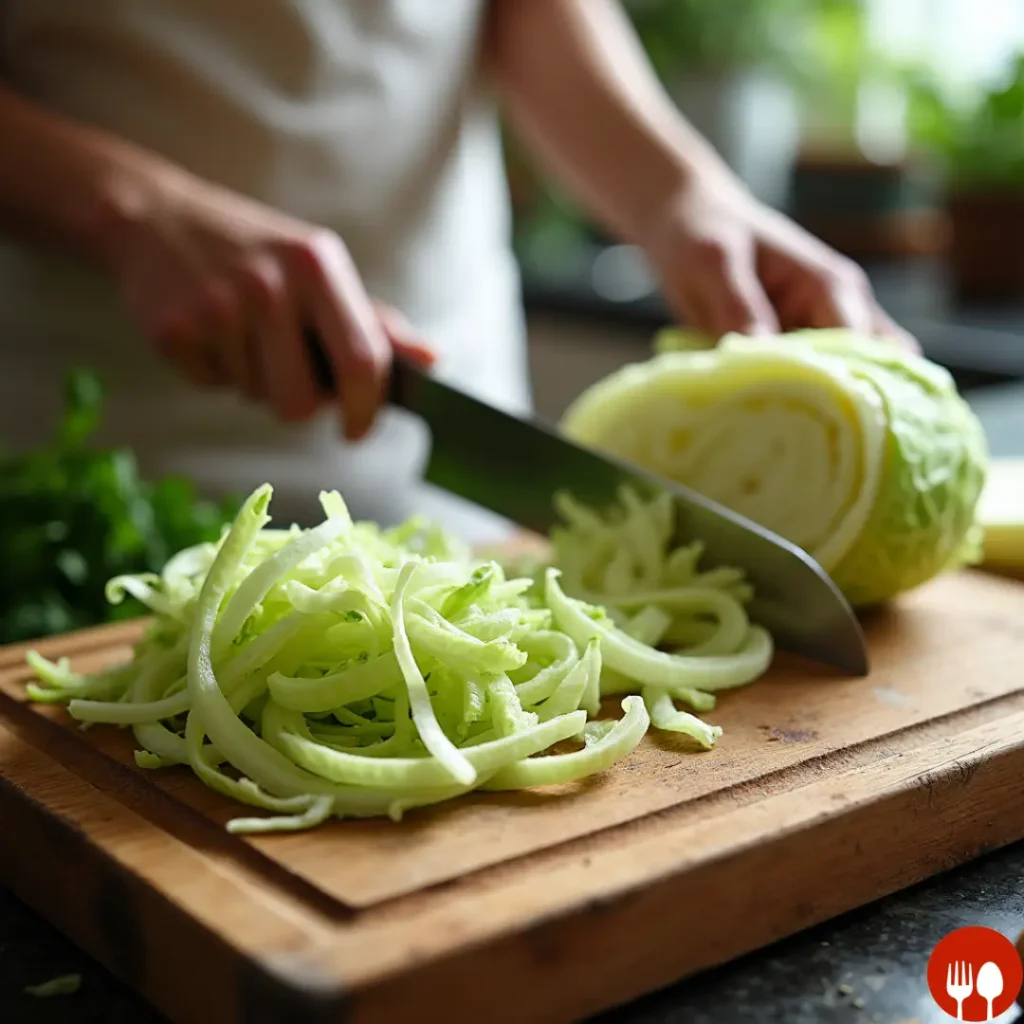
(868, 210)
(987, 252)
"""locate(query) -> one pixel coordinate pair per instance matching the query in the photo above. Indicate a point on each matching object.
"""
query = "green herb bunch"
(73, 515)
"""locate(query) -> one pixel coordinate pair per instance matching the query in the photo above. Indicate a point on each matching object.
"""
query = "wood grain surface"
(823, 794)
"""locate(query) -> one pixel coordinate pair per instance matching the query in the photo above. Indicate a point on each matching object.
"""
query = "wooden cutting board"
(824, 793)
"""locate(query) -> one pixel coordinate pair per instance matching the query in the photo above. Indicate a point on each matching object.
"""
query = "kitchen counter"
(868, 966)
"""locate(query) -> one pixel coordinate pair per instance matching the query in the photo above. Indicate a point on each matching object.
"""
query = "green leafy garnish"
(73, 515)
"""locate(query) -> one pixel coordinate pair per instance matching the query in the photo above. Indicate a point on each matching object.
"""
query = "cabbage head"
(865, 456)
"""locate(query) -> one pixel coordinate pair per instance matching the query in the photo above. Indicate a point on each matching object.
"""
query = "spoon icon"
(989, 984)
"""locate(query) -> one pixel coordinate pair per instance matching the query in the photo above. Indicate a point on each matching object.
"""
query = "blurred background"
(893, 129)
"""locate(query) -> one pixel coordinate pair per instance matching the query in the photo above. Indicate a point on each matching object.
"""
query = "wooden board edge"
(612, 948)
(103, 904)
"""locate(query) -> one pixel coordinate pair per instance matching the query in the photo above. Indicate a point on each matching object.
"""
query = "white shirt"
(364, 116)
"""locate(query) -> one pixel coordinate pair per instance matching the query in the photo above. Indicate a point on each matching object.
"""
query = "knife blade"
(514, 466)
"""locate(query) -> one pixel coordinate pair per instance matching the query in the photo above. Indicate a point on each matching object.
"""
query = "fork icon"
(959, 984)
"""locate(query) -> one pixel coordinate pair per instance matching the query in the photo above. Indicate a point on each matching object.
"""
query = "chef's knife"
(514, 467)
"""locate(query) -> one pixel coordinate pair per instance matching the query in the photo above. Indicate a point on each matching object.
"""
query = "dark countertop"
(864, 968)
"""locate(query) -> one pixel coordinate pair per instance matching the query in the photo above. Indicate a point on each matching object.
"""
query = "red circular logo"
(975, 974)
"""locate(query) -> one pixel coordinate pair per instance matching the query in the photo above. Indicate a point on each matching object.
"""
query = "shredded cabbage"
(62, 985)
(350, 671)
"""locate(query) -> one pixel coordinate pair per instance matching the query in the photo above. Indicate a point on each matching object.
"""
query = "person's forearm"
(579, 89)
(64, 181)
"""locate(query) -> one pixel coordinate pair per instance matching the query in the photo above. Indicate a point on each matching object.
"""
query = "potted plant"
(980, 144)
(726, 65)
(854, 184)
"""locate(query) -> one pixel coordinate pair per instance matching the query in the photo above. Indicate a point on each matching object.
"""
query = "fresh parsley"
(72, 515)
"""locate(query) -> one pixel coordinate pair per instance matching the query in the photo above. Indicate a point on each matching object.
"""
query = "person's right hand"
(225, 288)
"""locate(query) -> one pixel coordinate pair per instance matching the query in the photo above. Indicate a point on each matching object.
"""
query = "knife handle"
(402, 381)
(323, 372)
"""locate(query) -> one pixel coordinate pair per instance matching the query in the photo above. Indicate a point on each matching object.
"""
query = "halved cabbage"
(865, 456)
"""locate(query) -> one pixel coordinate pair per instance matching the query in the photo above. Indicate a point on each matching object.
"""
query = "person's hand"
(728, 263)
(225, 289)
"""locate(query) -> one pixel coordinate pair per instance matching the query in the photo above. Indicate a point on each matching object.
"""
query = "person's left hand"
(728, 263)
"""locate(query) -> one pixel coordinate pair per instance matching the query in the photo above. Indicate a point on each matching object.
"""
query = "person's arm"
(64, 180)
(579, 89)
(223, 286)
